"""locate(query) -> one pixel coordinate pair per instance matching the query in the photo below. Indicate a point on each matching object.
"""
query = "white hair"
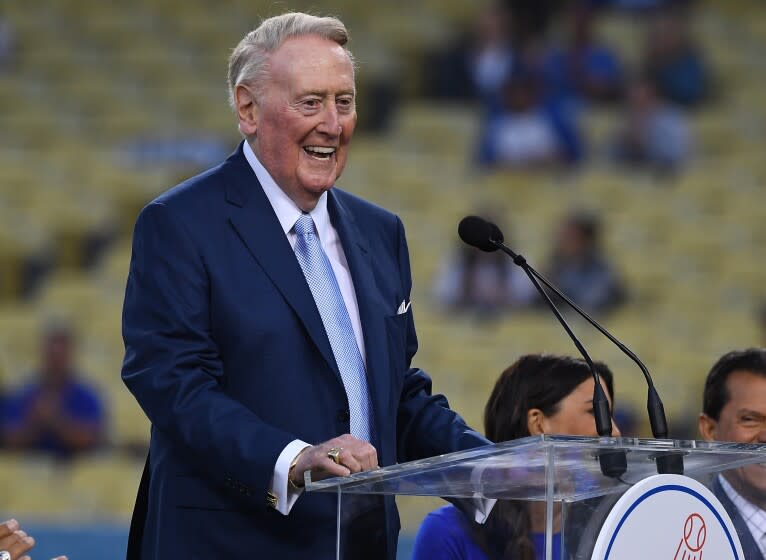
(248, 63)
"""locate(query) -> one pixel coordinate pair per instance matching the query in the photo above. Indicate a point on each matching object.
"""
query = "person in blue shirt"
(56, 412)
(583, 69)
(538, 394)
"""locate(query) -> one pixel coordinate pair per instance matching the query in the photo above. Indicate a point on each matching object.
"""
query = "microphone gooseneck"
(655, 408)
(601, 412)
(612, 463)
(482, 234)
(669, 462)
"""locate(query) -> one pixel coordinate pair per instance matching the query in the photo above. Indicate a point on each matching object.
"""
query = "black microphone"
(480, 232)
(486, 236)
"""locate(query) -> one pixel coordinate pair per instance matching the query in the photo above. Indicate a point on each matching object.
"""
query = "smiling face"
(301, 125)
(742, 419)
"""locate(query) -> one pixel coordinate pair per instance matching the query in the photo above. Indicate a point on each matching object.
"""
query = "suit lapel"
(255, 222)
(357, 251)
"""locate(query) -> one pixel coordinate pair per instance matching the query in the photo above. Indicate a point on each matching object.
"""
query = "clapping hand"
(15, 543)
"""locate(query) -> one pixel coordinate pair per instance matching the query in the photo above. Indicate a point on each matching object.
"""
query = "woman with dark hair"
(538, 394)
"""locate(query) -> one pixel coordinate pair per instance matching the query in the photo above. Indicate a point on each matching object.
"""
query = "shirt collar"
(286, 210)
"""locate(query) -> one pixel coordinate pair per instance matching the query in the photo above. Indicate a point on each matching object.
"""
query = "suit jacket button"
(344, 416)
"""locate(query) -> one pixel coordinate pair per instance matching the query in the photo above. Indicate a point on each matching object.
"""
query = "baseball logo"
(695, 533)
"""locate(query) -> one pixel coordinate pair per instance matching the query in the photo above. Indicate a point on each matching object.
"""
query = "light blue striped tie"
(337, 323)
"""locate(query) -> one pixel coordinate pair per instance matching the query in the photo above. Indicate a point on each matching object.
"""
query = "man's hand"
(356, 456)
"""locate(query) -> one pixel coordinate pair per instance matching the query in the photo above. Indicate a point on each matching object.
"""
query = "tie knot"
(304, 225)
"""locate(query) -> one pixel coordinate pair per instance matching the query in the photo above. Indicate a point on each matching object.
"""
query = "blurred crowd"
(490, 283)
(538, 68)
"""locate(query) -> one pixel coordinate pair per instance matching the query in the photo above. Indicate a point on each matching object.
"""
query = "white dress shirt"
(755, 517)
(287, 213)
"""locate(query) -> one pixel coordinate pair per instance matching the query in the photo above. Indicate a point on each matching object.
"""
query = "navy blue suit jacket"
(227, 356)
(749, 546)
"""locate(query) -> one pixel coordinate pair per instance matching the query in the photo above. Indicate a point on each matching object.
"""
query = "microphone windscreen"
(479, 233)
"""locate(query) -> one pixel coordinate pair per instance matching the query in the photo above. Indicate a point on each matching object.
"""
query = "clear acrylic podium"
(563, 472)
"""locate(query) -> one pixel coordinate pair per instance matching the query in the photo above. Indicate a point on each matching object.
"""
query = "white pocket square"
(404, 307)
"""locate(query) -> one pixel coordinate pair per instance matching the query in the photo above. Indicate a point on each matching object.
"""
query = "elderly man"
(734, 409)
(268, 327)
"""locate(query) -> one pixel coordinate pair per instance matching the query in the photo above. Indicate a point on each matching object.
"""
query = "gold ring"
(334, 454)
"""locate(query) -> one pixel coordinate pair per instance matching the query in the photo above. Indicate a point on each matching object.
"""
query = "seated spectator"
(584, 68)
(492, 58)
(734, 409)
(539, 394)
(487, 283)
(526, 132)
(579, 267)
(56, 412)
(475, 64)
(673, 62)
(16, 542)
(653, 134)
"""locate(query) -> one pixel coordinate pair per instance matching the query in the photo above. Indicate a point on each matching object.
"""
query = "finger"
(21, 546)
(365, 455)
(24, 543)
(369, 459)
(8, 527)
(329, 470)
(348, 460)
(7, 543)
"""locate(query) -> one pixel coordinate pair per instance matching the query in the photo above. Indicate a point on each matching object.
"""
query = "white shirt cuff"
(280, 487)
(479, 507)
(482, 509)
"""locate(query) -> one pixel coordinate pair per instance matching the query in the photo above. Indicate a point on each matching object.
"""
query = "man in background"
(580, 266)
(734, 409)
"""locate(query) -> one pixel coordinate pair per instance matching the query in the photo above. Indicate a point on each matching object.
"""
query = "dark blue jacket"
(227, 355)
